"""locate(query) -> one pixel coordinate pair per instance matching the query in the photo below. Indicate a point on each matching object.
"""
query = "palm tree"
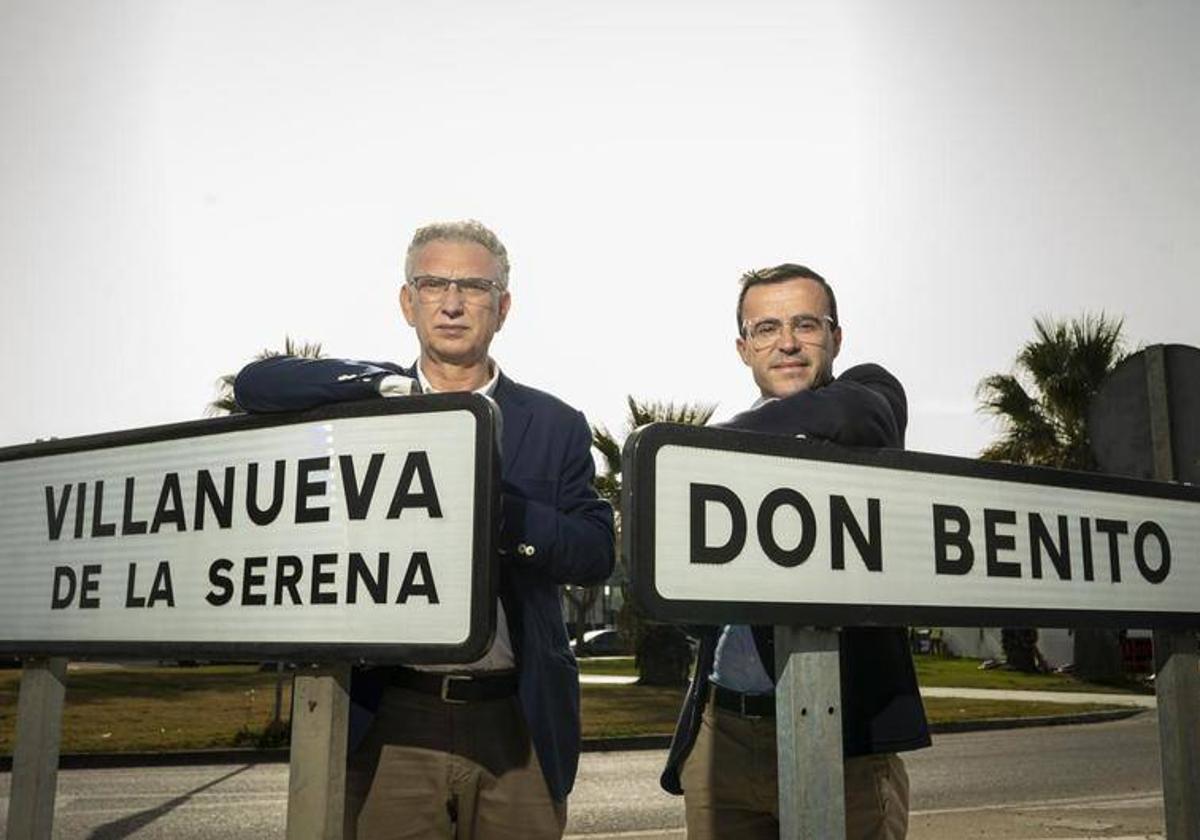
(662, 653)
(225, 403)
(1042, 409)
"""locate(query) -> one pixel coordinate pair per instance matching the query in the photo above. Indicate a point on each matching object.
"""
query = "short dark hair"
(778, 274)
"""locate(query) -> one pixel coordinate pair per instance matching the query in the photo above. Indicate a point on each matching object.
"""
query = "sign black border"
(638, 461)
(484, 573)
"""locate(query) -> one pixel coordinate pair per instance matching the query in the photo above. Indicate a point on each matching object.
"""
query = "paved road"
(1095, 781)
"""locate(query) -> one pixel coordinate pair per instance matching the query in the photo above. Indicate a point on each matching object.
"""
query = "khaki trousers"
(731, 785)
(431, 769)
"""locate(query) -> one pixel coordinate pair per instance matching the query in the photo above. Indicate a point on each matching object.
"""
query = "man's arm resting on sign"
(291, 383)
(865, 406)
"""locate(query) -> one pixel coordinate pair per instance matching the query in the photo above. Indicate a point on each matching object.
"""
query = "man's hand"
(395, 385)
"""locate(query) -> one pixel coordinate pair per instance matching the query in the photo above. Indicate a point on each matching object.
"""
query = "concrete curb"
(192, 758)
(991, 724)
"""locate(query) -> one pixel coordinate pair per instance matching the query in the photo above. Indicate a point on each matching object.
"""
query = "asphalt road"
(1094, 781)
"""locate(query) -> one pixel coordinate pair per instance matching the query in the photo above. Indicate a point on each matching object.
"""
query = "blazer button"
(526, 550)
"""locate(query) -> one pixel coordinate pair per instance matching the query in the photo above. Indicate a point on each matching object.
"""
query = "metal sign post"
(1176, 659)
(35, 754)
(317, 776)
(1145, 423)
(359, 532)
(808, 723)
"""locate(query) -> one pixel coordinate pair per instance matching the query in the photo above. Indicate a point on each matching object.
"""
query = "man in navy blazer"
(723, 757)
(488, 750)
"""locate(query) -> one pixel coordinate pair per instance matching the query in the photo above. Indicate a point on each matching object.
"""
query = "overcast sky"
(184, 183)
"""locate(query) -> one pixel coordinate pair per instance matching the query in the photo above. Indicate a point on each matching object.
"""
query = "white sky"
(182, 183)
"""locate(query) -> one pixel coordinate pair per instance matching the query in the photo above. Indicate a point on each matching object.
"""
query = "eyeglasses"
(431, 289)
(767, 332)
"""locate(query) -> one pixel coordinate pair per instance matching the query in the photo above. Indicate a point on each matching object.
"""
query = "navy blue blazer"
(881, 704)
(548, 502)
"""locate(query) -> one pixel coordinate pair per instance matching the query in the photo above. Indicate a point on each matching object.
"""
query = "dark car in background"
(606, 641)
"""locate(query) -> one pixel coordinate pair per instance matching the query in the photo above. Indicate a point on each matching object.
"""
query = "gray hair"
(467, 230)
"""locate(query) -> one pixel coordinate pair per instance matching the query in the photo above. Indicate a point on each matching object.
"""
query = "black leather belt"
(455, 688)
(746, 705)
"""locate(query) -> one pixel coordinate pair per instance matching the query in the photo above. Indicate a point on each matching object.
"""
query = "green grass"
(965, 673)
(609, 666)
(931, 671)
(946, 709)
(619, 710)
(151, 708)
(159, 708)
(622, 710)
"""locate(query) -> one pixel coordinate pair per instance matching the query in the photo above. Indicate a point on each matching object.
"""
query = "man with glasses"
(723, 756)
(490, 749)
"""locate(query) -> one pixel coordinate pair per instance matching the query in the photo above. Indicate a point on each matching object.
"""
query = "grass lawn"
(609, 666)
(620, 710)
(965, 673)
(157, 708)
(931, 671)
(154, 708)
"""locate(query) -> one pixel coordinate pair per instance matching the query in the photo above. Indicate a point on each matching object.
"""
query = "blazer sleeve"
(572, 539)
(865, 406)
(290, 383)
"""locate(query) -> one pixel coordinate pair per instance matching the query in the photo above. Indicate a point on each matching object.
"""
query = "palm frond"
(1042, 408)
(224, 403)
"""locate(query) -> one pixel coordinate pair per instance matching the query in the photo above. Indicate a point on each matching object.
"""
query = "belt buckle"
(445, 693)
(746, 714)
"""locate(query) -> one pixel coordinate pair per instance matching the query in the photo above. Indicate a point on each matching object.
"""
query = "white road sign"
(725, 526)
(357, 531)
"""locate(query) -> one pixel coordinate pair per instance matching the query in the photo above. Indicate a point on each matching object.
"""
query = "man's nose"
(789, 339)
(452, 303)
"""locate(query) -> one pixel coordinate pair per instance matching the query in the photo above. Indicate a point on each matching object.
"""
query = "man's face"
(795, 362)
(454, 330)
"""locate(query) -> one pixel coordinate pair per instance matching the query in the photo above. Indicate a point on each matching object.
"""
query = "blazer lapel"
(516, 417)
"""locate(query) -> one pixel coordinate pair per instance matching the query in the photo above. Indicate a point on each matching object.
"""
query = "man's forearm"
(864, 407)
(290, 383)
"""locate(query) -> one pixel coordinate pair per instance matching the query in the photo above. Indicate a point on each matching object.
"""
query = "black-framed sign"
(354, 532)
(738, 527)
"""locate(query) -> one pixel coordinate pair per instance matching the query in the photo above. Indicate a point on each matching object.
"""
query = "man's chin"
(786, 386)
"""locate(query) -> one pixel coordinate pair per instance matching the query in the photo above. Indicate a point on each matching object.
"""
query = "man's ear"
(406, 304)
(743, 348)
(837, 342)
(502, 310)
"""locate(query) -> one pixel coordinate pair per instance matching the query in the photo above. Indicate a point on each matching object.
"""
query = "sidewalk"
(1140, 701)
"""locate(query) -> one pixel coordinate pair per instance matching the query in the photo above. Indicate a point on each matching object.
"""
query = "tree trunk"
(581, 600)
(663, 655)
(1020, 648)
(1098, 654)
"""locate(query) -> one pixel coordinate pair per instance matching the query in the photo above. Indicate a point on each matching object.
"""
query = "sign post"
(1145, 422)
(317, 776)
(1176, 659)
(808, 721)
(354, 533)
(35, 753)
(723, 527)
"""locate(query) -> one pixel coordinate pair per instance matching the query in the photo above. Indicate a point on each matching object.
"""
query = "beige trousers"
(731, 785)
(430, 769)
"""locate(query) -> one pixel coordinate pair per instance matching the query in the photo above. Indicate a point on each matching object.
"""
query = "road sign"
(728, 527)
(352, 532)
